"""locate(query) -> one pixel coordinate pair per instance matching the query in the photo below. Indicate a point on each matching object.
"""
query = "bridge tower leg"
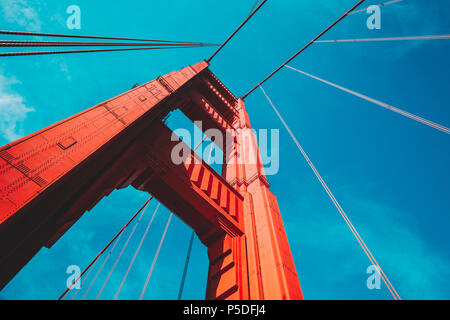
(271, 269)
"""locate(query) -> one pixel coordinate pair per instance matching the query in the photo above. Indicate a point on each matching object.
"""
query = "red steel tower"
(50, 178)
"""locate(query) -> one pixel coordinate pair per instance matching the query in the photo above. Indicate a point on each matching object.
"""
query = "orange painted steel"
(49, 179)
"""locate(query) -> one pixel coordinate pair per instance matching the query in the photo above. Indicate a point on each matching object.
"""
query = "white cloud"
(19, 12)
(13, 110)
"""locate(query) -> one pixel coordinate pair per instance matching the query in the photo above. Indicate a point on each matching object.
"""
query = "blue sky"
(390, 173)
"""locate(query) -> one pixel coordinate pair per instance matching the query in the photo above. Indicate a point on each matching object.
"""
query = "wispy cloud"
(13, 110)
(417, 269)
(21, 13)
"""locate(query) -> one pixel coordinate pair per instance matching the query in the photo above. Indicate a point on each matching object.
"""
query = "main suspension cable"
(379, 103)
(57, 35)
(135, 254)
(337, 205)
(304, 48)
(105, 248)
(14, 54)
(19, 43)
(155, 258)
(236, 31)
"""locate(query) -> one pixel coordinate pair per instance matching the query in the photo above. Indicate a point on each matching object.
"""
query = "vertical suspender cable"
(135, 254)
(104, 249)
(156, 258)
(254, 5)
(123, 248)
(129, 237)
(83, 281)
(101, 268)
(336, 203)
(183, 278)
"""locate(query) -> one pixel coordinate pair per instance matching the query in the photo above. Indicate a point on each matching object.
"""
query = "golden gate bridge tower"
(50, 178)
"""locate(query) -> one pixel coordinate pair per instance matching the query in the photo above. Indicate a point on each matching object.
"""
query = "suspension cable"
(99, 270)
(254, 5)
(123, 250)
(304, 48)
(432, 37)
(156, 257)
(379, 5)
(83, 281)
(105, 248)
(337, 205)
(14, 54)
(379, 103)
(103, 264)
(186, 265)
(135, 254)
(236, 31)
(21, 33)
(131, 234)
(19, 43)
